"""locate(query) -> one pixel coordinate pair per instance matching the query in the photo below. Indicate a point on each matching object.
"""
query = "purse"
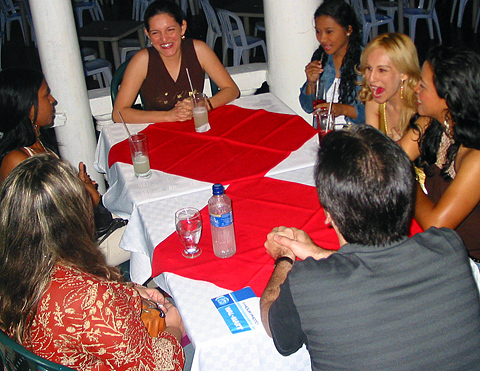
(153, 317)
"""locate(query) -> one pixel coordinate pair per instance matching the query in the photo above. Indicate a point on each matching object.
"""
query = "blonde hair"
(46, 218)
(402, 52)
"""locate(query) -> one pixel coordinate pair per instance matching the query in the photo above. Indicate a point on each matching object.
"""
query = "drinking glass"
(188, 223)
(326, 124)
(320, 97)
(200, 112)
(140, 159)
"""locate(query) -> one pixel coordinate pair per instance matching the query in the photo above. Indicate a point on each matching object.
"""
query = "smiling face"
(429, 103)
(46, 104)
(166, 34)
(382, 76)
(331, 35)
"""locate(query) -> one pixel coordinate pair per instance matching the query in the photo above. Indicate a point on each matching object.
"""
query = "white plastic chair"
(10, 13)
(461, 10)
(236, 39)
(100, 69)
(390, 7)
(139, 7)
(214, 30)
(259, 26)
(92, 6)
(370, 19)
(429, 13)
(88, 54)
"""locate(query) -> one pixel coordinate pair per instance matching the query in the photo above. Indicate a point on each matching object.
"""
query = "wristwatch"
(283, 258)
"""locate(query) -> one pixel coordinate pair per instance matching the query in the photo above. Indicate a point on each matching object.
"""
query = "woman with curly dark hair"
(334, 62)
(447, 145)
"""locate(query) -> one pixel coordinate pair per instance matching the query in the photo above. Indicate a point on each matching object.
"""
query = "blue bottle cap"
(218, 189)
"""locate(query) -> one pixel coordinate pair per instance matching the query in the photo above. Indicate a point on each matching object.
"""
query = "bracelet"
(209, 104)
(283, 258)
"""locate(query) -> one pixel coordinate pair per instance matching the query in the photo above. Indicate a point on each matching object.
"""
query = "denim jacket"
(306, 100)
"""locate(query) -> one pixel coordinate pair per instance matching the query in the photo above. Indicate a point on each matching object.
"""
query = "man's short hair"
(367, 184)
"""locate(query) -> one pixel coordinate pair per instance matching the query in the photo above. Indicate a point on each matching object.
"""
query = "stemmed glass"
(188, 223)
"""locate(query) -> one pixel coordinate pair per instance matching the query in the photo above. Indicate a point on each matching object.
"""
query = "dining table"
(111, 31)
(246, 9)
(265, 156)
(263, 153)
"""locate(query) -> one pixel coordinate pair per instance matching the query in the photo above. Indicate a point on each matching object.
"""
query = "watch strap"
(283, 258)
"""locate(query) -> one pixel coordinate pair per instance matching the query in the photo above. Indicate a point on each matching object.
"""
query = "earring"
(183, 37)
(401, 89)
(447, 127)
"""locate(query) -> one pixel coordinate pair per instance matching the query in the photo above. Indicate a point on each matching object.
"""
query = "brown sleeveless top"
(159, 91)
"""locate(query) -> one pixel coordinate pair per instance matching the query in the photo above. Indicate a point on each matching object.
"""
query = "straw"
(331, 101)
(189, 80)
(125, 125)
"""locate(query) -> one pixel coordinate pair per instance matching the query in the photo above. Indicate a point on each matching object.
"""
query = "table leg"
(26, 26)
(400, 16)
(246, 25)
(475, 11)
(116, 54)
(101, 49)
(141, 38)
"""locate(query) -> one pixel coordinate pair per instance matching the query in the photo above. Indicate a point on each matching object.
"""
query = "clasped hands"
(293, 243)
(183, 110)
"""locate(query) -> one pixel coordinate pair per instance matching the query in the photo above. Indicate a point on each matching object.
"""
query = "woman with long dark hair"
(159, 72)
(338, 32)
(447, 145)
(57, 295)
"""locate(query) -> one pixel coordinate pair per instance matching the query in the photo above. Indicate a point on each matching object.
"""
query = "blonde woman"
(390, 69)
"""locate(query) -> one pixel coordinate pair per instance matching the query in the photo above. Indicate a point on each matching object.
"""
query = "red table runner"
(258, 206)
(241, 144)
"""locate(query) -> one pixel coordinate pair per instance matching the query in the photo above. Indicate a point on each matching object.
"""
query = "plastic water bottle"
(221, 221)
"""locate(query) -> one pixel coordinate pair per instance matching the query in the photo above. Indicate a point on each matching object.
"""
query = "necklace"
(447, 128)
(37, 152)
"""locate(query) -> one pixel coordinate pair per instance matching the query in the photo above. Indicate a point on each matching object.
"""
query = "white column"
(291, 40)
(62, 65)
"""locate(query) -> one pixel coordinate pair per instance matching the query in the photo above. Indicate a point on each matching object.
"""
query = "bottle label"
(221, 220)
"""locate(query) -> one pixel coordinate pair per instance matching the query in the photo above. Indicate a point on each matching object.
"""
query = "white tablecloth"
(216, 348)
(150, 204)
(126, 191)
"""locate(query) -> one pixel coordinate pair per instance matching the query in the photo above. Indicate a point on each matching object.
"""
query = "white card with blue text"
(235, 310)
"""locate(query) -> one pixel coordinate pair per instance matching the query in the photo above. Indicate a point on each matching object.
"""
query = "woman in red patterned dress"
(57, 296)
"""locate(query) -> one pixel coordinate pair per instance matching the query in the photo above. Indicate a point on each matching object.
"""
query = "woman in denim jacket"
(338, 32)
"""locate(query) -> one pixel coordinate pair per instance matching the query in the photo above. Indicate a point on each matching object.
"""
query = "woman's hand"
(89, 184)
(173, 321)
(313, 70)
(183, 110)
(150, 293)
(339, 109)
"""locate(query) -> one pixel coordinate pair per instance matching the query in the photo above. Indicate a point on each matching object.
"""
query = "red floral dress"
(89, 323)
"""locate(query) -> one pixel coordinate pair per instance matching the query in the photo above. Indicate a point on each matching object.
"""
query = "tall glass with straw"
(200, 108)
(138, 144)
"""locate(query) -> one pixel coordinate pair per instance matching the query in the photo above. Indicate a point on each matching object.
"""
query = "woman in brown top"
(159, 73)
(447, 146)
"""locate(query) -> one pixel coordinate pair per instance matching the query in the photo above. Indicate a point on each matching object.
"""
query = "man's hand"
(284, 241)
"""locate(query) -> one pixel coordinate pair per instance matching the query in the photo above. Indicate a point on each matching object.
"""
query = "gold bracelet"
(209, 104)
